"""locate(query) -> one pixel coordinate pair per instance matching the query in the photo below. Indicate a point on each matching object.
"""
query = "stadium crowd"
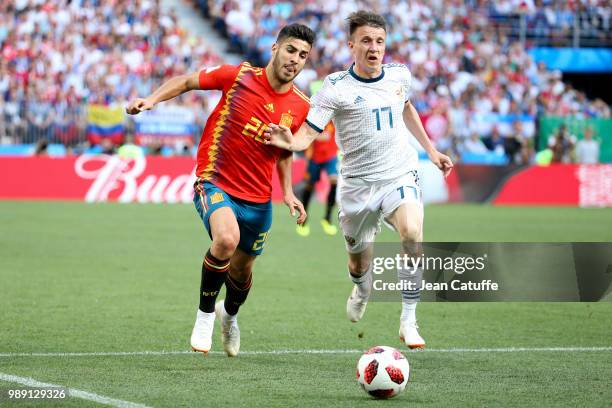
(58, 56)
(551, 22)
(477, 89)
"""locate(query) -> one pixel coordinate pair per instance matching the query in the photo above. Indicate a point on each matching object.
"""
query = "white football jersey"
(368, 116)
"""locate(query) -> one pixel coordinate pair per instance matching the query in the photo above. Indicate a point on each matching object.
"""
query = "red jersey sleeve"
(220, 77)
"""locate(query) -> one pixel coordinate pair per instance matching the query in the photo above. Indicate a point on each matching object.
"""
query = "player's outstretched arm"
(170, 89)
(414, 125)
(283, 166)
(281, 136)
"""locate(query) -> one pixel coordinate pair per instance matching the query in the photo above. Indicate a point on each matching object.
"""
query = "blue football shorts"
(254, 219)
(313, 171)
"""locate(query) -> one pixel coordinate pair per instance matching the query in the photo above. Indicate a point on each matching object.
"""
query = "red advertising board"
(95, 178)
(562, 184)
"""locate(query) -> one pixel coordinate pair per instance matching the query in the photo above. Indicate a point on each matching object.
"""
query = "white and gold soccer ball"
(383, 372)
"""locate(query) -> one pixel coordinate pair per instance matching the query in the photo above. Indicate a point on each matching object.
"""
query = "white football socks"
(364, 283)
(408, 312)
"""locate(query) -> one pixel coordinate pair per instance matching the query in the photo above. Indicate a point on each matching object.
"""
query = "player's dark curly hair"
(365, 18)
(296, 30)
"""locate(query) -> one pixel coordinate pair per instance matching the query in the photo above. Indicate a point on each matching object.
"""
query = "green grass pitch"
(124, 278)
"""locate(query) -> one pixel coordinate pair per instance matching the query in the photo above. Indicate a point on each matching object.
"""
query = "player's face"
(368, 47)
(288, 58)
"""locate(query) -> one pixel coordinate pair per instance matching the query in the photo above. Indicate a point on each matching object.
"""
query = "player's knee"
(410, 232)
(225, 244)
(358, 267)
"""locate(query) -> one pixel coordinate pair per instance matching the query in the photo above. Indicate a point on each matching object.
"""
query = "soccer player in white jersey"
(369, 104)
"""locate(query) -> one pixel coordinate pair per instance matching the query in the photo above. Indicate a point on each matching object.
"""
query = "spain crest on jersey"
(286, 119)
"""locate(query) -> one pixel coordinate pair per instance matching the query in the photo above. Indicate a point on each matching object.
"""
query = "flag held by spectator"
(104, 122)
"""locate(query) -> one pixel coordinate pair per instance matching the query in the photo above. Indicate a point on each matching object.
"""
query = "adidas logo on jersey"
(269, 107)
(358, 99)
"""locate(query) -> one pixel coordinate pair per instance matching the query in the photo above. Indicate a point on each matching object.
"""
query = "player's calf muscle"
(241, 266)
(240, 274)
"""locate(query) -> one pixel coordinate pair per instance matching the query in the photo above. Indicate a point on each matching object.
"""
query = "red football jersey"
(232, 154)
(324, 147)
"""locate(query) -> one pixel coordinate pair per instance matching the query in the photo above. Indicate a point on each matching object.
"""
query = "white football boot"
(230, 333)
(357, 302)
(201, 336)
(409, 335)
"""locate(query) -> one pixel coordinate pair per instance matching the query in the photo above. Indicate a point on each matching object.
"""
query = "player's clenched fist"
(442, 161)
(138, 105)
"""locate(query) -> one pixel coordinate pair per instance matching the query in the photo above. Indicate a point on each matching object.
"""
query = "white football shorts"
(363, 205)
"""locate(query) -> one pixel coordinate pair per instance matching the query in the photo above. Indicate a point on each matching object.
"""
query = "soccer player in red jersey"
(234, 171)
(322, 156)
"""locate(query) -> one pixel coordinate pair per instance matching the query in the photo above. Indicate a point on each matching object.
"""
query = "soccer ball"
(382, 372)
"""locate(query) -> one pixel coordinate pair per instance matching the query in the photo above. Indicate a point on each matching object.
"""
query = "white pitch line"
(310, 351)
(519, 349)
(72, 392)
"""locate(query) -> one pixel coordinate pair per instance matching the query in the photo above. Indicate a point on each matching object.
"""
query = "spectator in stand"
(474, 145)
(41, 147)
(39, 116)
(562, 145)
(458, 120)
(587, 149)
(4, 138)
(108, 147)
(436, 124)
(600, 109)
(66, 122)
(516, 145)
(14, 117)
(495, 142)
